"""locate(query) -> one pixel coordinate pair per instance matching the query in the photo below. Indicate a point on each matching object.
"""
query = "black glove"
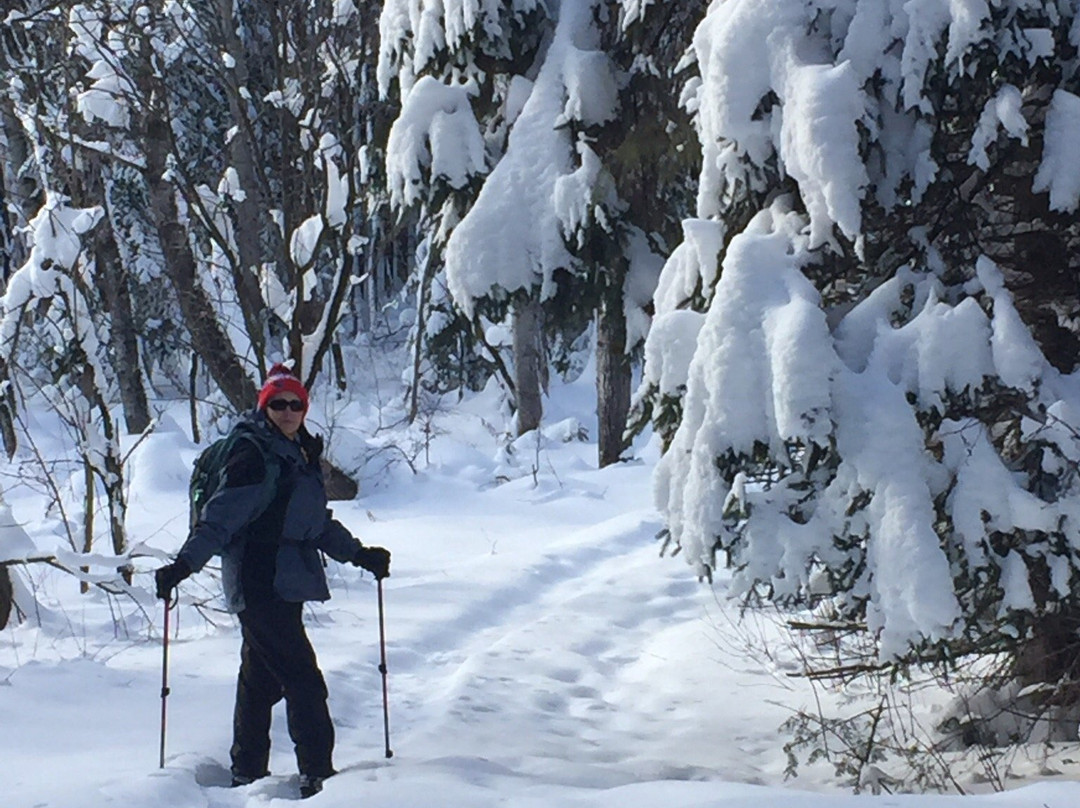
(169, 576)
(375, 560)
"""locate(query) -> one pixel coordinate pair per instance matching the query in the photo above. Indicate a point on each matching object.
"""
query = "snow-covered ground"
(540, 653)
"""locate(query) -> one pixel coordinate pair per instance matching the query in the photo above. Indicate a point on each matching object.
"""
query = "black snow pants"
(277, 661)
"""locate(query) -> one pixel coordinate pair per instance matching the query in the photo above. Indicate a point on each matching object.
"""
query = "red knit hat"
(281, 380)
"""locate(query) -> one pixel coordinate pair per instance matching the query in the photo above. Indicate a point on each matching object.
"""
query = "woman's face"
(282, 413)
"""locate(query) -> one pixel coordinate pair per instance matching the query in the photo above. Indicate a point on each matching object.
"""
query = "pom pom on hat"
(281, 380)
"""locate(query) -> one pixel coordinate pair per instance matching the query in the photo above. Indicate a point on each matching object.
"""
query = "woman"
(270, 567)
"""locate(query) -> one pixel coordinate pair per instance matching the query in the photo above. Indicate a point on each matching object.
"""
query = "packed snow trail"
(540, 654)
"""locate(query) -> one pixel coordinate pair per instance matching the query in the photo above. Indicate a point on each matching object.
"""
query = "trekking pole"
(165, 677)
(382, 670)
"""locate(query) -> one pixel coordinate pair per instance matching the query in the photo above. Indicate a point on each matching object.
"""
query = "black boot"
(239, 780)
(310, 786)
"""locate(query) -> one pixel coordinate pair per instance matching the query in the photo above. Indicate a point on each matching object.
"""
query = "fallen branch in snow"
(800, 625)
(842, 671)
(114, 585)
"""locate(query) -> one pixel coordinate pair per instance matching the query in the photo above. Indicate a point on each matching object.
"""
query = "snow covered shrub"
(862, 361)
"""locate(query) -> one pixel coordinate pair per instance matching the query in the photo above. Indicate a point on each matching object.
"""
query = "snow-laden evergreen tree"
(462, 71)
(561, 193)
(647, 150)
(863, 361)
(582, 241)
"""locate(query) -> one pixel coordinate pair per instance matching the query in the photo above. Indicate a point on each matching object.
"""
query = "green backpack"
(208, 470)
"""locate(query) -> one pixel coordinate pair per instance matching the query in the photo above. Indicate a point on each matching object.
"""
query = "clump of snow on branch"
(693, 265)
(540, 176)
(634, 10)
(582, 197)
(690, 271)
(106, 96)
(669, 348)
(337, 187)
(767, 90)
(745, 53)
(1059, 172)
(436, 135)
(56, 235)
(765, 371)
(412, 33)
(304, 240)
(819, 145)
(592, 92)
(15, 542)
(1002, 111)
(641, 279)
(732, 59)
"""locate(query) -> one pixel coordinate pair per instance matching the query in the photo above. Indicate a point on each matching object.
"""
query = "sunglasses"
(282, 404)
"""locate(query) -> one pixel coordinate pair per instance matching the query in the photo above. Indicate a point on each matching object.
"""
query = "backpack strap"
(272, 465)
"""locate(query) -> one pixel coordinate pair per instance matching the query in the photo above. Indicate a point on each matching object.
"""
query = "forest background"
(824, 252)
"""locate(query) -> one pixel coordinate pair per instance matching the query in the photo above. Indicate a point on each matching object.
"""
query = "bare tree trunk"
(340, 377)
(16, 196)
(108, 466)
(19, 195)
(88, 517)
(117, 502)
(327, 324)
(612, 376)
(123, 339)
(207, 336)
(374, 260)
(7, 596)
(7, 413)
(528, 359)
(426, 275)
(250, 220)
(193, 407)
(91, 186)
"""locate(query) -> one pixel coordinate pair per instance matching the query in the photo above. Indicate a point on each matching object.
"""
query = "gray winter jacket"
(287, 535)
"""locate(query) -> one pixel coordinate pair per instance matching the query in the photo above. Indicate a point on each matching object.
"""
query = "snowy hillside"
(540, 654)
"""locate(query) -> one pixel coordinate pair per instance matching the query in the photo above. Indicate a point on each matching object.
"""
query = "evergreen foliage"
(877, 417)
